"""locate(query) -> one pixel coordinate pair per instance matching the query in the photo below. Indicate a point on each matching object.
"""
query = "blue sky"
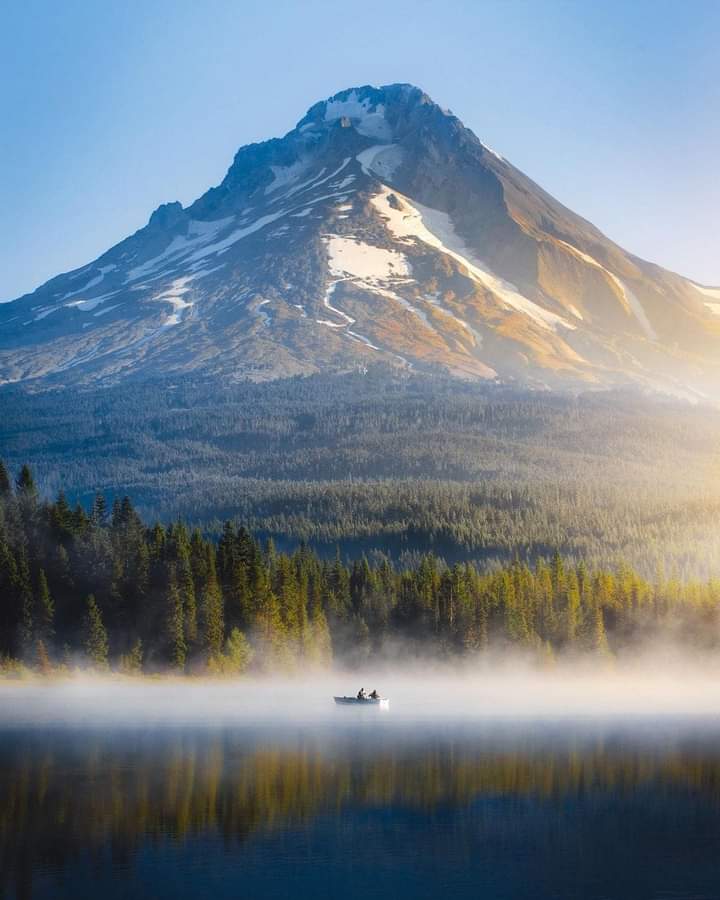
(111, 108)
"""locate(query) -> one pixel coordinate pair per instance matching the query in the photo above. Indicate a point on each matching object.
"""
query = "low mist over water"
(660, 686)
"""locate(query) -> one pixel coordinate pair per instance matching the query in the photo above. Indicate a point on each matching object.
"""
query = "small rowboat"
(381, 702)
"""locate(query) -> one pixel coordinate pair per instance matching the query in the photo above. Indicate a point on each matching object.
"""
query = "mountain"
(380, 229)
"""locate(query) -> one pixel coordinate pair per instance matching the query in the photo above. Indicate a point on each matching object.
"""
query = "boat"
(381, 702)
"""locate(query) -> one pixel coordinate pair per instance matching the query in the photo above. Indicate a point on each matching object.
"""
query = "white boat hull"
(380, 702)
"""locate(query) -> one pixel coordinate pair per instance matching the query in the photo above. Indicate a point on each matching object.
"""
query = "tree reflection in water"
(65, 794)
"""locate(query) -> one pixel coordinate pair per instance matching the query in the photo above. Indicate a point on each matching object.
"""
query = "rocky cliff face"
(379, 229)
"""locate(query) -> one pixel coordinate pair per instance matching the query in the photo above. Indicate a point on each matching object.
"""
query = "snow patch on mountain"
(365, 266)
(638, 311)
(303, 184)
(632, 302)
(314, 181)
(175, 292)
(90, 304)
(708, 291)
(107, 309)
(347, 320)
(237, 235)
(714, 293)
(434, 228)
(94, 282)
(318, 181)
(406, 304)
(199, 233)
(45, 312)
(260, 312)
(434, 301)
(493, 152)
(351, 257)
(285, 175)
(174, 296)
(368, 119)
(381, 159)
(360, 339)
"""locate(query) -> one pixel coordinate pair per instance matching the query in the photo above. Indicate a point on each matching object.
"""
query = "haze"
(653, 687)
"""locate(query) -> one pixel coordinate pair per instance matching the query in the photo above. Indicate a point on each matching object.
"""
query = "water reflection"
(77, 801)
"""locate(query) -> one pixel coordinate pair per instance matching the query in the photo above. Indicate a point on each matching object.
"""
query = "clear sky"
(108, 109)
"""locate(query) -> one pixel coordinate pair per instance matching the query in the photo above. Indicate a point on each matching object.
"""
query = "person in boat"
(361, 695)
(374, 695)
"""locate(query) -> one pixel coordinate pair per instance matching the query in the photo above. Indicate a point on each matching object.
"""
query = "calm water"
(362, 808)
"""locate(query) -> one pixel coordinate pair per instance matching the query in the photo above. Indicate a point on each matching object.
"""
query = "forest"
(387, 465)
(101, 588)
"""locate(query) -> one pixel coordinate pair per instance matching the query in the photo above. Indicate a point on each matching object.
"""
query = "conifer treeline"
(103, 589)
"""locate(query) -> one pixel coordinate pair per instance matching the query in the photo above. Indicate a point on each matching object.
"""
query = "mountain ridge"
(380, 228)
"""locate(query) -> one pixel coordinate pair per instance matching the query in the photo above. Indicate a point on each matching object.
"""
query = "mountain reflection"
(65, 793)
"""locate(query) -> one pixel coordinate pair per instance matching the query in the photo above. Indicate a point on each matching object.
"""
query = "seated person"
(375, 695)
(361, 694)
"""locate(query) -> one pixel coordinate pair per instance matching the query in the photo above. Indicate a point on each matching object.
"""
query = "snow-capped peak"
(369, 110)
(379, 227)
(367, 117)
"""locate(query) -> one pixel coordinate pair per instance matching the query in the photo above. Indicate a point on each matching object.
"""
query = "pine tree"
(131, 663)
(547, 617)
(226, 557)
(213, 626)
(42, 658)
(287, 593)
(25, 484)
(198, 562)
(175, 626)
(558, 572)
(94, 636)
(572, 610)
(238, 651)
(235, 659)
(10, 611)
(44, 611)
(339, 585)
(26, 605)
(239, 606)
(61, 518)
(270, 554)
(5, 487)
(186, 585)
(80, 520)
(516, 626)
(99, 511)
(27, 501)
(598, 638)
(318, 643)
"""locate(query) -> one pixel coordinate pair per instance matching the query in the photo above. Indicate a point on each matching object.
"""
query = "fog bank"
(649, 688)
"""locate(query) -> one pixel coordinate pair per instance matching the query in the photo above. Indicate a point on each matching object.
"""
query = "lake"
(361, 804)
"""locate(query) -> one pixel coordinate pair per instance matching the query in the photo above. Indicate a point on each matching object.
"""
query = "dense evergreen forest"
(402, 465)
(100, 587)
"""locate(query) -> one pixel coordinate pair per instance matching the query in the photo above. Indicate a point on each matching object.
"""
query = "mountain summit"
(380, 229)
